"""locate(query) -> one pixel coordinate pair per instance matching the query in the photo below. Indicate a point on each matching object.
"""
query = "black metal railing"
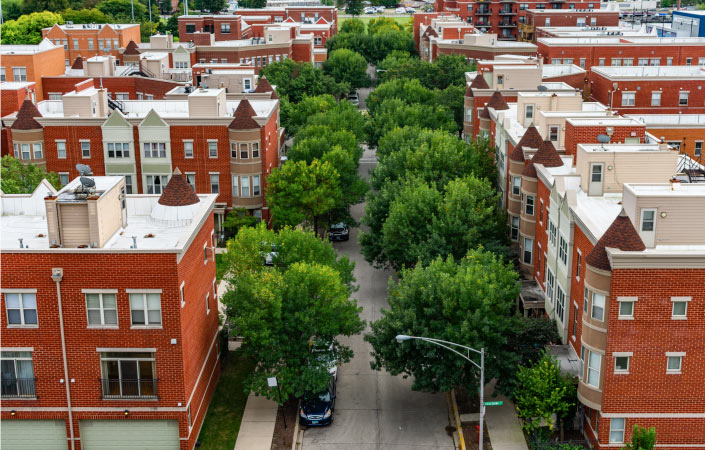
(122, 388)
(18, 388)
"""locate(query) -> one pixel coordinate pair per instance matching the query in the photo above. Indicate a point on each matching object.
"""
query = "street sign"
(500, 403)
(271, 382)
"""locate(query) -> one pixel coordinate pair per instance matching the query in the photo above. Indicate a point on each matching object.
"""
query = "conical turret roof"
(178, 192)
(479, 83)
(547, 155)
(244, 117)
(25, 117)
(263, 86)
(530, 139)
(622, 235)
(131, 49)
(497, 102)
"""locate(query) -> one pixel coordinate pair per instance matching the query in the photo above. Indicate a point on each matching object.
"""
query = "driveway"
(375, 410)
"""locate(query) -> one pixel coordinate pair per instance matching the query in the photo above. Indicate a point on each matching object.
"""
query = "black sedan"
(317, 409)
(338, 232)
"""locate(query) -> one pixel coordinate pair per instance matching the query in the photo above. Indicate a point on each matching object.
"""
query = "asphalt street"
(375, 410)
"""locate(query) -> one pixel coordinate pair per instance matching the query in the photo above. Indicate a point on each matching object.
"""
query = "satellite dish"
(84, 169)
(541, 88)
(603, 139)
(87, 182)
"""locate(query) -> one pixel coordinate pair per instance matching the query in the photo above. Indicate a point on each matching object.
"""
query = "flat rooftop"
(26, 49)
(667, 189)
(670, 119)
(557, 70)
(604, 121)
(621, 41)
(95, 26)
(15, 85)
(623, 148)
(640, 72)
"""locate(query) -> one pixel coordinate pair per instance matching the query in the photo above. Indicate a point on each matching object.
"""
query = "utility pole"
(149, 3)
(132, 7)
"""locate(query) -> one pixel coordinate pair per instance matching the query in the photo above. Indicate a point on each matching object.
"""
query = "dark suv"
(317, 409)
(338, 232)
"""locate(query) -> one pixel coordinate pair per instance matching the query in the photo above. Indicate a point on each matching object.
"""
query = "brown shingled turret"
(131, 49)
(484, 113)
(78, 64)
(244, 117)
(531, 139)
(497, 102)
(622, 235)
(468, 91)
(178, 192)
(479, 83)
(547, 155)
(25, 117)
(263, 86)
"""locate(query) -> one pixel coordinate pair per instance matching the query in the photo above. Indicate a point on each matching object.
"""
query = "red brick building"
(14, 93)
(223, 145)
(29, 63)
(87, 40)
(608, 17)
(95, 352)
(650, 89)
(120, 88)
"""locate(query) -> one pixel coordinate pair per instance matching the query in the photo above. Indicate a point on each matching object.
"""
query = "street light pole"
(445, 344)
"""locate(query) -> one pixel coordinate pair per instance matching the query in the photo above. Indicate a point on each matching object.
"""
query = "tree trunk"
(562, 430)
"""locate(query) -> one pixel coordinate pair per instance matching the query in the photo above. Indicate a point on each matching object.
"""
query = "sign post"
(272, 382)
(500, 403)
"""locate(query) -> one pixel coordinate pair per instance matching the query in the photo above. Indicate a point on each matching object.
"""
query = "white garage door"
(129, 434)
(33, 435)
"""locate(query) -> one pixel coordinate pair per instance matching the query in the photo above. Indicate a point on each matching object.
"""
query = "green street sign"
(494, 403)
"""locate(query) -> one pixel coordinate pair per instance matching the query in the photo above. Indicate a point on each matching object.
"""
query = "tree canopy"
(84, 15)
(282, 311)
(376, 45)
(297, 79)
(27, 29)
(121, 10)
(444, 71)
(347, 66)
(352, 26)
(19, 178)
(467, 302)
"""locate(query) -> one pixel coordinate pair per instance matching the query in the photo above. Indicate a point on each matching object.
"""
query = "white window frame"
(216, 184)
(617, 425)
(256, 186)
(254, 148)
(627, 355)
(162, 184)
(679, 356)
(550, 284)
(530, 251)
(64, 176)
(560, 303)
(101, 308)
(655, 98)
(594, 371)
(586, 300)
(245, 184)
(514, 230)
(552, 232)
(35, 154)
(115, 150)
(208, 303)
(679, 300)
(643, 220)
(578, 264)
(531, 204)
(628, 98)
(188, 142)
(236, 186)
(516, 186)
(683, 95)
(20, 293)
(592, 311)
(212, 143)
(19, 73)
(554, 133)
(563, 250)
(145, 310)
(155, 148)
(625, 300)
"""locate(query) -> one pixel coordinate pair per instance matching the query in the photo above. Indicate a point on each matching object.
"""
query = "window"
(208, 302)
(541, 211)
(655, 62)
(190, 28)
(85, 149)
(698, 150)
(594, 363)
(616, 61)
(182, 293)
(586, 300)
(244, 153)
(683, 99)
(19, 73)
(555, 60)
(621, 363)
(596, 173)
(674, 362)
(627, 61)
(245, 183)
(582, 362)
(553, 133)
(548, 21)
(146, 309)
(63, 178)
(567, 60)
(38, 154)
(2, 74)
(643, 61)
(215, 183)
(100, 44)
(255, 185)
(515, 228)
(17, 375)
(212, 149)
(617, 430)
(679, 309)
(648, 216)
(563, 251)
(101, 308)
(255, 149)
(500, 79)
(21, 308)
(529, 205)
(669, 61)
(601, 62)
(317, 40)
(529, 111)
(582, 63)
(156, 183)
(25, 151)
(552, 230)
(118, 150)
(128, 375)
(75, 44)
(107, 45)
(626, 307)
(581, 22)
(224, 28)
(122, 96)
(154, 149)
(188, 149)
(578, 263)
(593, 21)
(575, 320)
(628, 98)
(656, 98)
(236, 190)
(516, 186)
(128, 184)
(90, 44)
(528, 250)
(246, 85)
(560, 303)
(598, 306)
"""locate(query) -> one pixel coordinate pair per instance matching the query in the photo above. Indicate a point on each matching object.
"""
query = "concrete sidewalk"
(502, 423)
(257, 426)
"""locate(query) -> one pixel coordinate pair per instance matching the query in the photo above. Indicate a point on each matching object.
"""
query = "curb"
(298, 433)
(453, 405)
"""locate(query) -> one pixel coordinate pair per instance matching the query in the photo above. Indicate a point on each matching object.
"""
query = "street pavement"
(375, 410)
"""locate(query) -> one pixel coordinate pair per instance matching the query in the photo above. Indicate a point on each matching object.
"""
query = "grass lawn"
(366, 19)
(219, 267)
(224, 414)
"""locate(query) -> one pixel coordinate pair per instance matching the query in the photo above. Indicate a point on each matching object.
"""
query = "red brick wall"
(476, 53)
(48, 63)
(541, 236)
(11, 100)
(270, 137)
(302, 52)
(575, 135)
(576, 80)
(570, 18)
(422, 19)
(581, 246)
(130, 85)
(73, 135)
(686, 136)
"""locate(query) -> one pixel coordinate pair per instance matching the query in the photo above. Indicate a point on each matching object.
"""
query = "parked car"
(369, 10)
(400, 10)
(353, 98)
(338, 232)
(268, 258)
(410, 10)
(323, 352)
(317, 409)
(380, 9)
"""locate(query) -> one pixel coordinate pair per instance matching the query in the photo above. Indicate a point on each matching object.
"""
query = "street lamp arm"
(441, 343)
(449, 343)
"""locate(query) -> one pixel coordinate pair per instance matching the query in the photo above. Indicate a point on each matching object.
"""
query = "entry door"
(596, 178)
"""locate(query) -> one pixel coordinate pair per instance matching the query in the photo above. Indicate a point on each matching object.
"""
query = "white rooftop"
(597, 213)
(670, 119)
(603, 121)
(557, 70)
(15, 85)
(622, 148)
(95, 26)
(621, 40)
(22, 49)
(680, 72)
(675, 189)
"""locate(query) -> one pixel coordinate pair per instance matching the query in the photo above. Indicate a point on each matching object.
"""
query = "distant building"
(87, 40)
(607, 17)
(29, 63)
(688, 23)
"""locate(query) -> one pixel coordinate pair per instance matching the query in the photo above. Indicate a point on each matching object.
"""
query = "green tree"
(642, 439)
(467, 302)
(295, 116)
(387, 41)
(296, 79)
(357, 42)
(379, 24)
(213, 6)
(19, 178)
(84, 16)
(396, 113)
(347, 66)
(236, 219)
(353, 7)
(410, 91)
(301, 193)
(27, 29)
(13, 9)
(172, 25)
(45, 5)
(542, 392)
(147, 29)
(352, 26)
(343, 116)
(121, 10)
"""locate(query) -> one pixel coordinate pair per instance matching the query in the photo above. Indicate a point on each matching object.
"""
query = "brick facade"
(86, 40)
(587, 134)
(47, 63)
(127, 85)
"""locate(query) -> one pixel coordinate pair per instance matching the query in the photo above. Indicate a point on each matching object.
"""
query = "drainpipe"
(57, 274)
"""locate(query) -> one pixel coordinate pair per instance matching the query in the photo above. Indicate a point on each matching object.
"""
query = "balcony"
(18, 388)
(483, 25)
(507, 12)
(123, 388)
(483, 12)
(507, 25)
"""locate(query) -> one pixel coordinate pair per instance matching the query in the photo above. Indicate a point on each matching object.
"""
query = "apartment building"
(684, 132)
(606, 17)
(496, 16)
(95, 356)
(649, 89)
(624, 29)
(14, 93)
(223, 146)
(588, 52)
(29, 63)
(87, 40)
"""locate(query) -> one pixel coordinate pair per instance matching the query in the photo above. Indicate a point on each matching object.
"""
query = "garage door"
(33, 435)
(129, 434)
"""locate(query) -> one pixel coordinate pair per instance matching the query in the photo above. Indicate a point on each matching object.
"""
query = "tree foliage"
(444, 71)
(379, 24)
(27, 29)
(642, 438)
(353, 7)
(213, 6)
(542, 392)
(19, 178)
(347, 66)
(85, 15)
(121, 10)
(301, 193)
(373, 46)
(297, 79)
(353, 26)
(281, 310)
(467, 302)
(236, 219)
(396, 113)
